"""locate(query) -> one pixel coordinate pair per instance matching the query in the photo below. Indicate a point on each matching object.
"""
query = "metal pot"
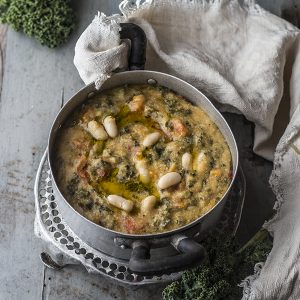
(148, 254)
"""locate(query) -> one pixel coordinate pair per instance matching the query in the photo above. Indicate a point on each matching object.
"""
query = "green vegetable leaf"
(219, 277)
(48, 21)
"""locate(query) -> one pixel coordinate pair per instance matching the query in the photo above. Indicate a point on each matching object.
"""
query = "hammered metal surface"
(51, 227)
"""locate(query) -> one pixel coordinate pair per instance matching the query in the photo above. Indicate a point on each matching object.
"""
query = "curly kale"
(219, 277)
(49, 21)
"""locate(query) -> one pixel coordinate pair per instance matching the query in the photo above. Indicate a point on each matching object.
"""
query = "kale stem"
(260, 236)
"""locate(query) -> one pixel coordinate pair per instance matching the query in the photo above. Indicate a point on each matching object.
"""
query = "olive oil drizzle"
(132, 189)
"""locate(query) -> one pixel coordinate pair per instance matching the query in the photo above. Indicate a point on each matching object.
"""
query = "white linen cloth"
(247, 60)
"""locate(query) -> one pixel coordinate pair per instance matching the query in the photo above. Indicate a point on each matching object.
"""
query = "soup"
(141, 159)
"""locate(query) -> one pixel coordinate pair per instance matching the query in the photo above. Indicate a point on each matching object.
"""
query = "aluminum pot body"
(118, 244)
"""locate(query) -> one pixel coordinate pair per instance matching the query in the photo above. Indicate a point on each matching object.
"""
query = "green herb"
(158, 150)
(83, 198)
(125, 130)
(134, 186)
(212, 163)
(105, 208)
(48, 21)
(186, 112)
(162, 218)
(169, 125)
(165, 201)
(72, 185)
(125, 172)
(101, 170)
(149, 158)
(227, 265)
(172, 104)
(186, 144)
(98, 148)
(191, 183)
(82, 194)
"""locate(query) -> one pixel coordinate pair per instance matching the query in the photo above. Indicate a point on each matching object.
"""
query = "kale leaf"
(219, 276)
(48, 21)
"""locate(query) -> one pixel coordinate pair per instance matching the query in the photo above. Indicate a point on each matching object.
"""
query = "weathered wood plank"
(31, 96)
(75, 283)
(3, 32)
(24, 108)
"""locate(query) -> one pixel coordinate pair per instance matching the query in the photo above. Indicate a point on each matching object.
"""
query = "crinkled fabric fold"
(246, 60)
(98, 52)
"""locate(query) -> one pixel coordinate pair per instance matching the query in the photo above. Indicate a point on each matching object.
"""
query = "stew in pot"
(141, 159)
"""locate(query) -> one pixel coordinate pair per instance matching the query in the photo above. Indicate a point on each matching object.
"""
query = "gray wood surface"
(35, 84)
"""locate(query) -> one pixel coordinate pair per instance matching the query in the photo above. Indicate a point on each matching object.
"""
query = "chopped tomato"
(131, 225)
(179, 128)
(80, 144)
(81, 168)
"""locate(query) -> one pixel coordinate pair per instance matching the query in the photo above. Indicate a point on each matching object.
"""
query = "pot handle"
(191, 255)
(137, 37)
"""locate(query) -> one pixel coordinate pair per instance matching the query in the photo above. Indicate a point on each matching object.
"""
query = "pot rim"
(159, 234)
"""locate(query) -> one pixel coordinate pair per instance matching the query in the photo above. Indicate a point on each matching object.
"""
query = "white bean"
(168, 180)
(151, 139)
(96, 130)
(120, 202)
(201, 163)
(143, 171)
(186, 161)
(148, 203)
(110, 126)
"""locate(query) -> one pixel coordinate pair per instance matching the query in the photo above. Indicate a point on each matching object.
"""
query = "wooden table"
(35, 82)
